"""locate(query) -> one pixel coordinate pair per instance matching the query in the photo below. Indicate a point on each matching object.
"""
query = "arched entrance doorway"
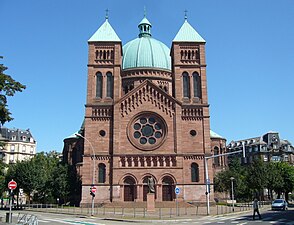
(146, 188)
(130, 193)
(168, 188)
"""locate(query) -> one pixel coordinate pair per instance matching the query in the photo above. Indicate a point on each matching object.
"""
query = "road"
(268, 217)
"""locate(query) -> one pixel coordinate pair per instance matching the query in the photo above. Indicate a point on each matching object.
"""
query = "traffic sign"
(93, 189)
(12, 185)
(177, 190)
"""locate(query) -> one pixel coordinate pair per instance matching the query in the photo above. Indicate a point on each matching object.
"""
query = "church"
(146, 116)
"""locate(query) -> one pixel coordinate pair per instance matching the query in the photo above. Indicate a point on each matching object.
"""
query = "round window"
(102, 133)
(147, 131)
(193, 133)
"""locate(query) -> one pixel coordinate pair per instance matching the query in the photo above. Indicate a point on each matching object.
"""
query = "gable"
(148, 92)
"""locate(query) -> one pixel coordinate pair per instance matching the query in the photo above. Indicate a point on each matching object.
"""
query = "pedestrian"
(255, 209)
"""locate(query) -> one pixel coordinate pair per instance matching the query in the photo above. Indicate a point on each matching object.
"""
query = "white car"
(279, 204)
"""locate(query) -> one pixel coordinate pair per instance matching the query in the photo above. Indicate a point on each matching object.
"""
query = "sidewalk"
(140, 214)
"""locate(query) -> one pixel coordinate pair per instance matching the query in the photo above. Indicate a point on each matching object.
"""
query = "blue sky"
(249, 52)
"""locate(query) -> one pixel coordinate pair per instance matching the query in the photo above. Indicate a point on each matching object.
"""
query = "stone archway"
(130, 192)
(168, 187)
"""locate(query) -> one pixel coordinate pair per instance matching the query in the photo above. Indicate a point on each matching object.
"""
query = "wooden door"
(129, 193)
(167, 193)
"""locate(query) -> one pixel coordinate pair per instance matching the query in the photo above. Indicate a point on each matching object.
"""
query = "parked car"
(279, 204)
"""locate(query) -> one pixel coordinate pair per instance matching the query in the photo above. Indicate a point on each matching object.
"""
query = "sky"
(249, 55)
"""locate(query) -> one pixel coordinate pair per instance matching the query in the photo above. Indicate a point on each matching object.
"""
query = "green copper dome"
(145, 51)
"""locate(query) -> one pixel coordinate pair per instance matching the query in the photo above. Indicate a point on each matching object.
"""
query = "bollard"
(159, 213)
(7, 217)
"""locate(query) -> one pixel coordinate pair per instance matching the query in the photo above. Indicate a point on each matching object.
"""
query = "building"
(218, 147)
(18, 145)
(268, 147)
(147, 115)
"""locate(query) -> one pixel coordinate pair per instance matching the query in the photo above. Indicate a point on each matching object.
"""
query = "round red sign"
(93, 189)
(12, 185)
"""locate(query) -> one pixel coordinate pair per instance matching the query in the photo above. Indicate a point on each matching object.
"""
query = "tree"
(274, 179)
(43, 178)
(8, 87)
(222, 181)
(257, 177)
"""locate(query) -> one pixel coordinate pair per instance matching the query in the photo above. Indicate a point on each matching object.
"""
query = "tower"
(103, 89)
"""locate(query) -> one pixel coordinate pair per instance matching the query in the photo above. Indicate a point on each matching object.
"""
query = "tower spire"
(106, 14)
(186, 14)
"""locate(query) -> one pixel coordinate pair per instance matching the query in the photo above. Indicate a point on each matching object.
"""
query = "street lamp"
(207, 181)
(232, 183)
(93, 174)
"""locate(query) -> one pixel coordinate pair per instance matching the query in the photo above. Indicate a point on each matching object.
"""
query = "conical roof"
(105, 33)
(215, 135)
(188, 34)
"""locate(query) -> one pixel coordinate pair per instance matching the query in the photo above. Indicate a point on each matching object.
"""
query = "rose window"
(147, 131)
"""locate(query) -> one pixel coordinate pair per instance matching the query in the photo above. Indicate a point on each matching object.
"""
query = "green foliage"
(250, 180)
(8, 87)
(43, 178)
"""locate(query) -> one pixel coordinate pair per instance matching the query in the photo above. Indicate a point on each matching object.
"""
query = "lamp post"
(207, 176)
(93, 173)
(232, 183)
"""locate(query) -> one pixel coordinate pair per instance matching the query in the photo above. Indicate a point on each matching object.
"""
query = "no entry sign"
(12, 185)
(93, 189)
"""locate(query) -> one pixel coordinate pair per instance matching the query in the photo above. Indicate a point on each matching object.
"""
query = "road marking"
(43, 221)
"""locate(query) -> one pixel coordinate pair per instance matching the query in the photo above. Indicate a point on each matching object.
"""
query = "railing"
(136, 211)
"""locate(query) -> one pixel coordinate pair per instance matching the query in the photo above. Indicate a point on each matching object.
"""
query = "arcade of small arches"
(134, 189)
(104, 54)
(190, 55)
(137, 189)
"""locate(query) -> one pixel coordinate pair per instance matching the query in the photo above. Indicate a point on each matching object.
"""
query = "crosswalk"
(67, 221)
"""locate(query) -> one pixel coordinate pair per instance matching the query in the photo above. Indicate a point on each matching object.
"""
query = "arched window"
(216, 159)
(99, 84)
(194, 172)
(101, 173)
(109, 92)
(197, 85)
(186, 85)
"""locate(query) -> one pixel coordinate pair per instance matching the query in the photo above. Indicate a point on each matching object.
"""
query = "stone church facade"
(147, 115)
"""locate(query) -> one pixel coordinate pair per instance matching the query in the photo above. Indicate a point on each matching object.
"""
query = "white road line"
(43, 221)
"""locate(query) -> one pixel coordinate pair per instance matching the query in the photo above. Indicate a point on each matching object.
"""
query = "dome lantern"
(145, 28)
